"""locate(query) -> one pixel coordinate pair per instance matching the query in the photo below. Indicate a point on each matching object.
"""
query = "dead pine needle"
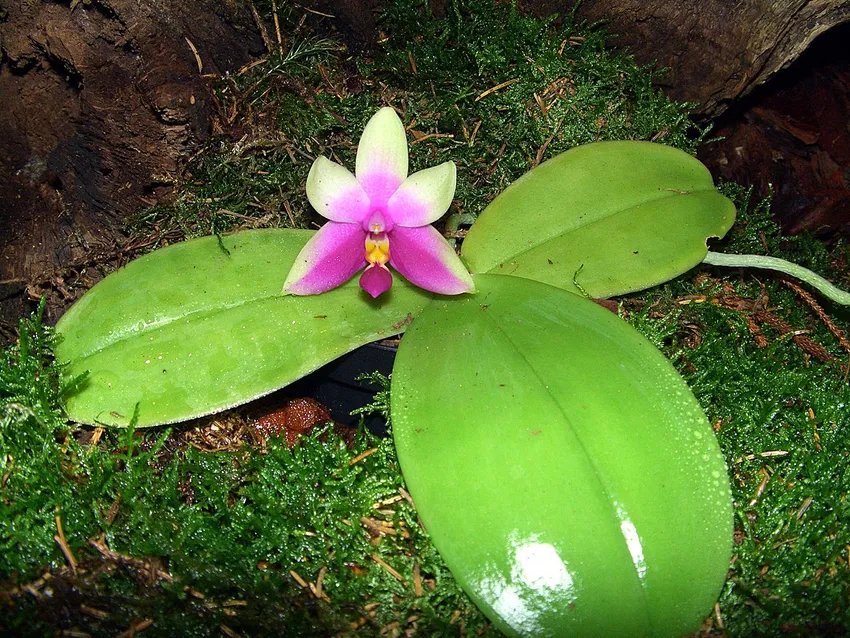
(474, 133)
(198, 60)
(542, 150)
(298, 579)
(429, 136)
(227, 631)
(392, 572)
(407, 497)
(95, 437)
(718, 617)
(804, 506)
(764, 455)
(417, 580)
(376, 527)
(261, 27)
(289, 214)
(277, 27)
(318, 13)
(63, 545)
(362, 456)
(319, 580)
(493, 89)
(135, 628)
(761, 487)
(94, 612)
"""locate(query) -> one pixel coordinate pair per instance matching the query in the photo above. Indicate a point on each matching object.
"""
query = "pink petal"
(330, 258)
(382, 156)
(376, 280)
(335, 193)
(427, 260)
(423, 197)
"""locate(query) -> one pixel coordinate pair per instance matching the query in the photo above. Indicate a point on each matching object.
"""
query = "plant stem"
(774, 263)
(454, 221)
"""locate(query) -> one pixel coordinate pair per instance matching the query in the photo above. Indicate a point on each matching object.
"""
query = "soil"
(792, 137)
(102, 102)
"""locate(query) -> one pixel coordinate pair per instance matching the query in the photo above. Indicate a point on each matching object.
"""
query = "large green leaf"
(564, 470)
(199, 327)
(613, 217)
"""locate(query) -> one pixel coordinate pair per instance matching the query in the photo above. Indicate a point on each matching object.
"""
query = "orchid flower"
(382, 216)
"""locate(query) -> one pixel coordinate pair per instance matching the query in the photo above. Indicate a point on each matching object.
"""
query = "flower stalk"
(780, 265)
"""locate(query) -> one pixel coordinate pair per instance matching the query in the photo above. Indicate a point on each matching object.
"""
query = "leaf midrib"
(591, 222)
(130, 334)
(597, 474)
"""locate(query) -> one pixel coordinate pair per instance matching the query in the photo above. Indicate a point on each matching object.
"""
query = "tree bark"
(716, 50)
(100, 100)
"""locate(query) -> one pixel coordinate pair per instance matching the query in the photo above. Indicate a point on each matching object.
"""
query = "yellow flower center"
(377, 248)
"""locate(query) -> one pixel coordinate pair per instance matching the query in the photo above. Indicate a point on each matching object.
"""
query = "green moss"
(565, 88)
(779, 413)
(233, 526)
(199, 541)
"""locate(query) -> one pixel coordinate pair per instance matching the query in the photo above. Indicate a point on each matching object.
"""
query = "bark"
(716, 50)
(792, 140)
(101, 99)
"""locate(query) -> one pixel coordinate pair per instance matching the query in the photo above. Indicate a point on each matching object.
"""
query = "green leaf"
(604, 219)
(202, 326)
(564, 470)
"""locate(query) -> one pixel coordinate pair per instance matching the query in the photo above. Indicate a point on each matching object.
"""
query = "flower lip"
(376, 280)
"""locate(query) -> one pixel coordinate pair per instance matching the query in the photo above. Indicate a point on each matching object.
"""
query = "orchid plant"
(569, 447)
(380, 216)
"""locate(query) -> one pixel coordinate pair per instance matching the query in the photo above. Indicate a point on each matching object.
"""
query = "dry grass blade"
(392, 572)
(362, 456)
(63, 545)
(493, 89)
(136, 628)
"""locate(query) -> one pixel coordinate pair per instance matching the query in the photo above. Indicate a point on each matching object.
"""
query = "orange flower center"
(377, 248)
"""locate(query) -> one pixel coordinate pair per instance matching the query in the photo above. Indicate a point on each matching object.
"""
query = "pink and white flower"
(382, 216)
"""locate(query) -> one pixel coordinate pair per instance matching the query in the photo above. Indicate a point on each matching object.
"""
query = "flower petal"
(328, 259)
(376, 280)
(424, 196)
(335, 193)
(427, 260)
(382, 156)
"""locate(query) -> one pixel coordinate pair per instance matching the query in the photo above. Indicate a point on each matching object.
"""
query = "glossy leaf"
(612, 217)
(199, 327)
(564, 470)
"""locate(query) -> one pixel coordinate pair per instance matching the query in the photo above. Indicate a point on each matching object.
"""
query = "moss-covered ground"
(109, 532)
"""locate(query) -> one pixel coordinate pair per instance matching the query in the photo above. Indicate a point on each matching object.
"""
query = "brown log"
(716, 50)
(100, 102)
(792, 140)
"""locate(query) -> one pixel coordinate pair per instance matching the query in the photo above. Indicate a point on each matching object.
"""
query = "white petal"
(382, 155)
(423, 197)
(335, 193)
